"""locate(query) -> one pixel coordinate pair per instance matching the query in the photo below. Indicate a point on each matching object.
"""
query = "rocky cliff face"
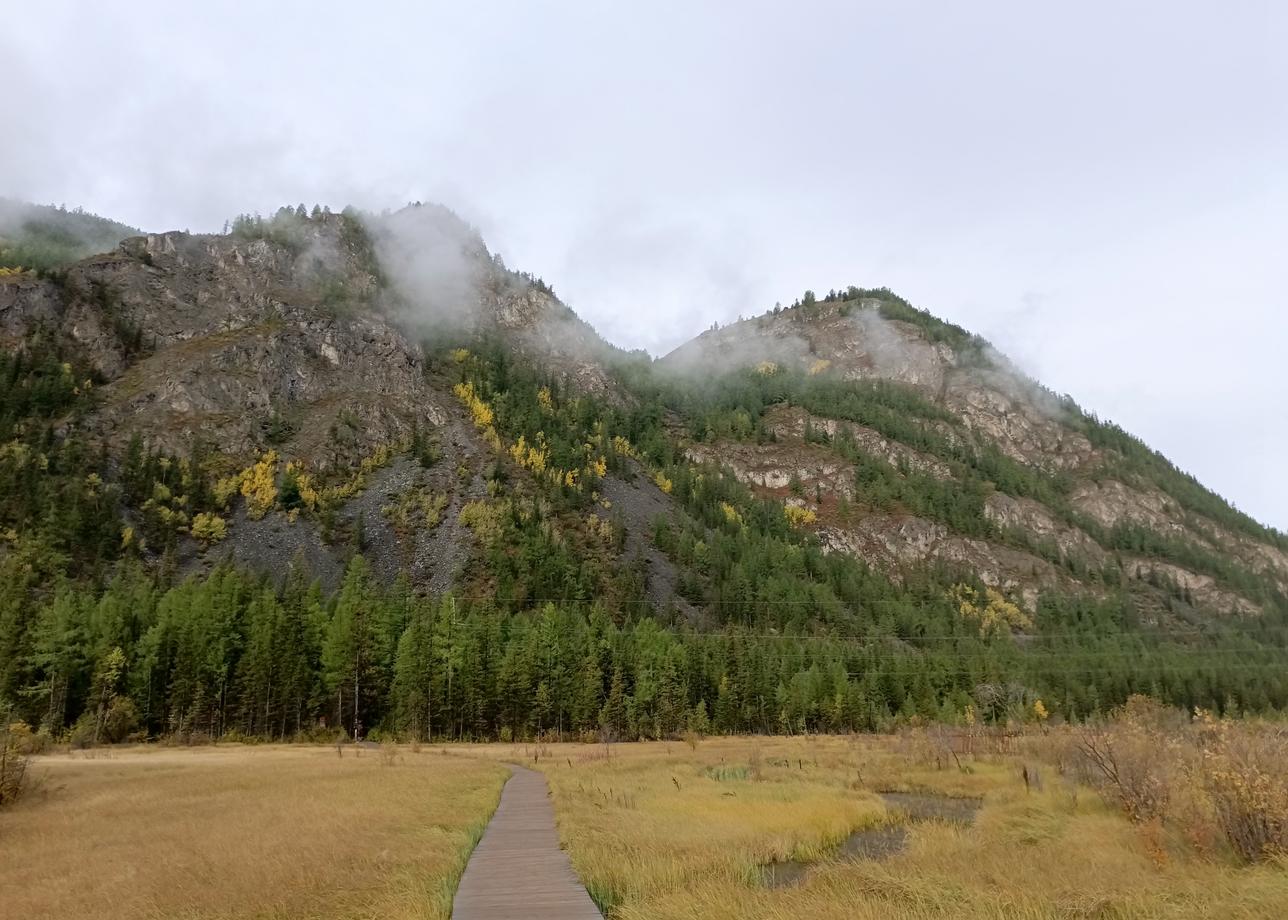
(251, 343)
(1105, 519)
(305, 335)
(236, 342)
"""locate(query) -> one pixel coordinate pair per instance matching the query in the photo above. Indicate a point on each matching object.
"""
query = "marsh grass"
(231, 831)
(682, 833)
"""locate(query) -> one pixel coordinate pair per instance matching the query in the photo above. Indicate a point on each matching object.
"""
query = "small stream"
(883, 840)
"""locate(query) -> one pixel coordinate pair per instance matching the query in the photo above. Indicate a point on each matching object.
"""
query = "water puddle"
(878, 842)
(921, 806)
(784, 874)
(883, 840)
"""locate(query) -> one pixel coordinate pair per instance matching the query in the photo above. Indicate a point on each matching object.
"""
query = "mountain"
(867, 400)
(43, 237)
(831, 516)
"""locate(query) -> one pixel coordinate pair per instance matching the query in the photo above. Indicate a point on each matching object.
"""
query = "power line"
(1018, 637)
(1149, 672)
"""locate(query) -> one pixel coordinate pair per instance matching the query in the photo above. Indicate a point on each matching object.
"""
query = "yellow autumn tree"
(530, 456)
(259, 486)
(799, 516)
(209, 528)
(993, 612)
(622, 447)
(480, 411)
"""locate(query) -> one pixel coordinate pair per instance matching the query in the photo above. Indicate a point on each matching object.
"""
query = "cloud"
(436, 262)
(702, 162)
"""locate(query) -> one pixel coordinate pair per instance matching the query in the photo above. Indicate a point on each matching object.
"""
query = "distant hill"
(44, 237)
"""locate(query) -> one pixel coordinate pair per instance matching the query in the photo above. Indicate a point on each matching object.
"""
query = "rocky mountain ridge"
(307, 335)
(873, 336)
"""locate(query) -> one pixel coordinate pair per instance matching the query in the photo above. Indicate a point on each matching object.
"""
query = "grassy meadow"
(669, 831)
(752, 828)
(243, 831)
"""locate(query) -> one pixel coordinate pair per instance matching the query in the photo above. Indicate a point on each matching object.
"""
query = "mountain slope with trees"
(349, 473)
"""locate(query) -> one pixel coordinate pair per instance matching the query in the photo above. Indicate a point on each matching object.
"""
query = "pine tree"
(612, 718)
(349, 653)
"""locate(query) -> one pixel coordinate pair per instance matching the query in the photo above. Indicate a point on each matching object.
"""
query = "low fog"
(1099, 189)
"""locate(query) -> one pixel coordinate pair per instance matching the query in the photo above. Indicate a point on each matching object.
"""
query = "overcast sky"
(1099, 188)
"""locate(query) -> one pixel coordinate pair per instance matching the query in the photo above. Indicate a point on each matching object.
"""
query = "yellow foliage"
(530, 456)
(819, 366)
(570, 479)
(209, 528)
(994, 612)
(799, 516)
(623, 446)
(479, 410)
(460, 355)
(485, 519)
(544, 398)
(598, 467)
(127, 537)
(6, 272)
(309, 495)
(356, 483)
(767, 368)
(1040, 711)
(225, 489)
(730, 513)
(663, 483)
(259, 485)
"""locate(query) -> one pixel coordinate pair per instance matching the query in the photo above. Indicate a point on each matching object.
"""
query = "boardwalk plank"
(518, 871)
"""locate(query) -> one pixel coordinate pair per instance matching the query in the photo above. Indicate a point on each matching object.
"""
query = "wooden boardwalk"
(518, 871)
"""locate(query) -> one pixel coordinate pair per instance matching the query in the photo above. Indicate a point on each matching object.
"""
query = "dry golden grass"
(266, 832)
(649, 848)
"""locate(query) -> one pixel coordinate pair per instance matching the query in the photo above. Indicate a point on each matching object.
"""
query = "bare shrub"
(13, 760)
(917, 747)
(1059, 747)
(1032, 778)
(1131, 760)
(1244, 771)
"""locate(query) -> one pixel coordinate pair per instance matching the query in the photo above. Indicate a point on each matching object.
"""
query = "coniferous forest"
(547, 632)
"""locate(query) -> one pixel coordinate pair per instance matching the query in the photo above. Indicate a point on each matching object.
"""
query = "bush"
(1131, 760)
(209, 528)
(13, 760)
(120, 721)
(1244, 771)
